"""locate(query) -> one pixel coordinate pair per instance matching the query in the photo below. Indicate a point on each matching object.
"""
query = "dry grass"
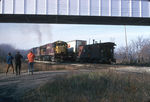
(3, 67)
(71, 66)
(94, 87)
(37, 67)
(49, 67)
(59, 66)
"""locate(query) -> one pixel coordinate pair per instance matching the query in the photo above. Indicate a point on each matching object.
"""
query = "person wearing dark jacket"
(9, 60)
(18, 58)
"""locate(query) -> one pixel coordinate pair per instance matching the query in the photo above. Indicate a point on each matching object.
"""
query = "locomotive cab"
(60, 50)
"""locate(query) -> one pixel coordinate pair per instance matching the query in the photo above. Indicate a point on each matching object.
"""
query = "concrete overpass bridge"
(112, 12)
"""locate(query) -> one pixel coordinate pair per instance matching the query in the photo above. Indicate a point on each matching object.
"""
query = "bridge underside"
(65, 19)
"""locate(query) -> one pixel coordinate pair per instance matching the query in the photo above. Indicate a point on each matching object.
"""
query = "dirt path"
(12, 87)
(131, 69)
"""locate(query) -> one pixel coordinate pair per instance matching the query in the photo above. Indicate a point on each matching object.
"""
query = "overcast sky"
(26, 36)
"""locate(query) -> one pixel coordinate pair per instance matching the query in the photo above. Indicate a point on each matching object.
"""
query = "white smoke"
(41, 31)
(37, 30)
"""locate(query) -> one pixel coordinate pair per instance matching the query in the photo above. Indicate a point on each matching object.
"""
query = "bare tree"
(138, 52)
(5, 49)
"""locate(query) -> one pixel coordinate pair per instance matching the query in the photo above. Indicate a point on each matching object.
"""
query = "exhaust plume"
(39, 34)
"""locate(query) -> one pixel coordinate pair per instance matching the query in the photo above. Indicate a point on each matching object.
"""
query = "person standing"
(30, 57)
(9, 60)
(18, 58)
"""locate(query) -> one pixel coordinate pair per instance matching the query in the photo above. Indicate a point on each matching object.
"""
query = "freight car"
(73, 48)
(99, 52)
(56, 51)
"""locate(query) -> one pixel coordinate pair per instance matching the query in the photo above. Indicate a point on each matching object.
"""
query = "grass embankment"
(37, 67)
(51, 67)
(3, 67)
(93, 87)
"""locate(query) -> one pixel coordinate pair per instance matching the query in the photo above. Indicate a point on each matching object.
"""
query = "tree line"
(6, 48)
(136, 53)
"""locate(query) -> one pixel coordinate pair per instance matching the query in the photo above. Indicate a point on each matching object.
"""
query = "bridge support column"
(57, 7)
(68, 7)
(14, 6)
(36, 6)
(3, 6)
(110, 7)
(89, 7)
(25, 8)
(130, 8)
(121, 7)
(100, 7)
(149, 9)
(78, 7)
(47, 6)
(140, 10)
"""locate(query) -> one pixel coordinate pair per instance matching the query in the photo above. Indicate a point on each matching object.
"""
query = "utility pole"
(89, 41)
(126, 41)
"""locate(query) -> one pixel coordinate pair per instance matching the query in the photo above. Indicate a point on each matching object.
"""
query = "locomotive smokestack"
(89, 40)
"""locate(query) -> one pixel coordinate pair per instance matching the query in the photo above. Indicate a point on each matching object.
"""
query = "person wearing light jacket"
(31, 57)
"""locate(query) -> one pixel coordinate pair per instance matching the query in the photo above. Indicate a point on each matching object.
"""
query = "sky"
(26, 36)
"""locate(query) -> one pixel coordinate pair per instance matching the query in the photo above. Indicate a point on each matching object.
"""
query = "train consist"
(76, 50)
